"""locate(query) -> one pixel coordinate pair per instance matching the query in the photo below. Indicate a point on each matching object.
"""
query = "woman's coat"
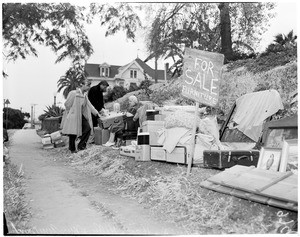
(77, 105)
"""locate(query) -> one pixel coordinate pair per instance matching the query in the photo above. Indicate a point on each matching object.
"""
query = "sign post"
(202, 73)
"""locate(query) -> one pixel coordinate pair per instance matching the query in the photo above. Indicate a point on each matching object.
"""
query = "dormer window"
(104, 71)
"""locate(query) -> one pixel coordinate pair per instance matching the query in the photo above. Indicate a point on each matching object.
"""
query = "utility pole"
(6, 102)
(54, 95)
(32, 114)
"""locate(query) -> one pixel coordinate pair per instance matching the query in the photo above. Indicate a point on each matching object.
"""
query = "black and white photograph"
(148, 118)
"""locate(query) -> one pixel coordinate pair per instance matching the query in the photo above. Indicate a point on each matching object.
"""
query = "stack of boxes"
(148, 147)
(56, 139)
(46, 141)
(52, 140)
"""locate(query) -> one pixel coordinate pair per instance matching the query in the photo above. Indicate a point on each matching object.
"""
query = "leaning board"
(249, 196)
(254, 183)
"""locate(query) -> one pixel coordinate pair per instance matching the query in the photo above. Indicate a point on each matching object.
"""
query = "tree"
(72, 79)
(225, 24)
(117, 17)
(58, 26)
(157, 46)
(211, 27)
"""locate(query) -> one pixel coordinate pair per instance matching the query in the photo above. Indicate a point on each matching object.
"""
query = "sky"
(33, 81)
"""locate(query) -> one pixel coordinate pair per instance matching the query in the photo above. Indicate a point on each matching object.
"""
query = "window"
(133, 74)
(107, 72)
(102, 71)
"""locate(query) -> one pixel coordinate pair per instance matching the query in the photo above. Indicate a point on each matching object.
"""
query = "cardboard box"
(48, 146)
(152, 127)
(128, 150)
(46, 140)
(55, 136)
(101, 135)
(112, 118)
(158, 153)
(142, 153)
(59, 143)
(178, 155)
(160, 117)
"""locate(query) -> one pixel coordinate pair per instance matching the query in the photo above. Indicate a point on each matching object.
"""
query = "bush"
(145, 84)
(13, 118)
(115, 93)
(169, 91)
(51, 111)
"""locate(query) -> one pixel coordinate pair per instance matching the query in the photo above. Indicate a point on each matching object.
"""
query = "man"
(77, 120)
(95, 96)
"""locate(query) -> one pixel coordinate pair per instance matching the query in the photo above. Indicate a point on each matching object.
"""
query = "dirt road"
(64, 201)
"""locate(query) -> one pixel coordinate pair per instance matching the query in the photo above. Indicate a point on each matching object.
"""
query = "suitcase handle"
(239, 158)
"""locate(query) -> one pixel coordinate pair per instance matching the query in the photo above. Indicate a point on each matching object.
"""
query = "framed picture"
(289, 160)
(269, 159)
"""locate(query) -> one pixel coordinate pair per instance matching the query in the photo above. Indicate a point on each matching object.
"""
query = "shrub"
(13, 118)
(115, 93)
(52, 111)
(145, 84)
(167, 92)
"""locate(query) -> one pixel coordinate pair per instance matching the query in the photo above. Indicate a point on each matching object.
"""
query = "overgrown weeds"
(15, 206)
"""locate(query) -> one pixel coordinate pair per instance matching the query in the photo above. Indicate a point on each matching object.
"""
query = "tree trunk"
(226, 42)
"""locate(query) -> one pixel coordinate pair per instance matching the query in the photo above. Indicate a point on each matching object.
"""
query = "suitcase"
(101, 135)
(222, 159)
(178, 155)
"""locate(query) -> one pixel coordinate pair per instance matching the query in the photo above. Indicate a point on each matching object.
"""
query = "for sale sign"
(202, 73)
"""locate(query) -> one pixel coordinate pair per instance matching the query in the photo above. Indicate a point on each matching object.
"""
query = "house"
(131, 73)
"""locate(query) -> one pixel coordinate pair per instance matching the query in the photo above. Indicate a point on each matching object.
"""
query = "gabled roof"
(93, 70)
(150, 71)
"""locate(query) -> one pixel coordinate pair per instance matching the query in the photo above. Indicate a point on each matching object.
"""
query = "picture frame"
(269, 159)
(289, 159)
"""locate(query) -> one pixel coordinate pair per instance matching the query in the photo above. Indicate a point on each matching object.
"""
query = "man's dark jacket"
(95, 96)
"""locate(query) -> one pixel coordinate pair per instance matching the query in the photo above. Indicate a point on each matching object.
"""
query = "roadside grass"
(15, 206)
(172, 196)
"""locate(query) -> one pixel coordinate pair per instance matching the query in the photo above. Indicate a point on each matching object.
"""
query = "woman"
(119, 127)
(77, 119)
